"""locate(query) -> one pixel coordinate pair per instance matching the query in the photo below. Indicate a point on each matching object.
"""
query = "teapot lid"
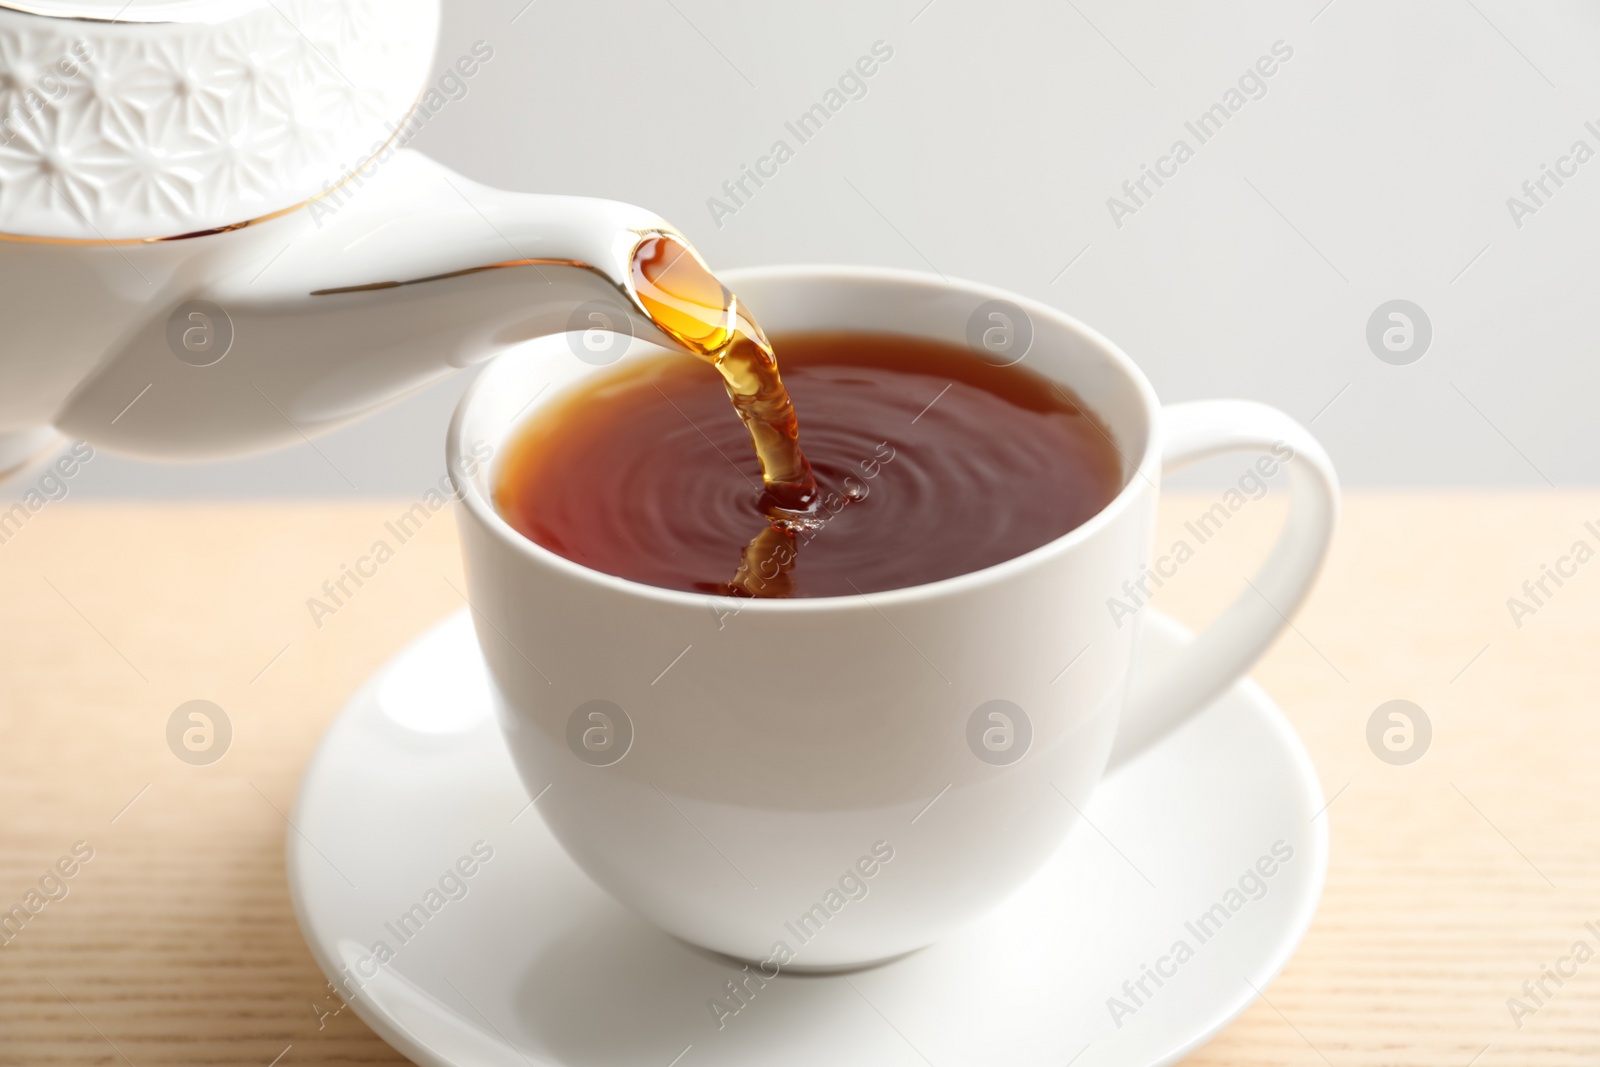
(146, 120)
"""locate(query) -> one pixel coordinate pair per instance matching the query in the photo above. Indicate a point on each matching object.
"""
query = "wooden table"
(1454, 880)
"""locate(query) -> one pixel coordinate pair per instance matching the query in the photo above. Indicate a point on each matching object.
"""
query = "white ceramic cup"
(819, 783)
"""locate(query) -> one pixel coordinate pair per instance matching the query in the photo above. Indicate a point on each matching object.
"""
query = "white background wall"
(1376, 167)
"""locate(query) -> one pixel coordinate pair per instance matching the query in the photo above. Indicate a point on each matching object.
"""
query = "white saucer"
(536, 966)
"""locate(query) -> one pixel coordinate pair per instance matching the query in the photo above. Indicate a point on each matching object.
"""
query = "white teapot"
(212, 241)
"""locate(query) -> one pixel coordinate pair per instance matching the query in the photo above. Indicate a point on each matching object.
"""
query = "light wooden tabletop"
(1454, 880)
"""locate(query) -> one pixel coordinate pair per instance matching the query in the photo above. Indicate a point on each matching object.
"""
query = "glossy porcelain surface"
(147, 120)
(264, 336)
(527, 962)
(729, 802)
(213, 240)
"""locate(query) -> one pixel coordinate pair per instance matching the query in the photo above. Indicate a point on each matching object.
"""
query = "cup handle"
(1237, 637)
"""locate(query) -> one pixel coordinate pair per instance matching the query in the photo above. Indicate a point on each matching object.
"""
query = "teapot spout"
(276, 332)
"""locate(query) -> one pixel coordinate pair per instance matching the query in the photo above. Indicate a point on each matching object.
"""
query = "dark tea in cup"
(929, 462)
